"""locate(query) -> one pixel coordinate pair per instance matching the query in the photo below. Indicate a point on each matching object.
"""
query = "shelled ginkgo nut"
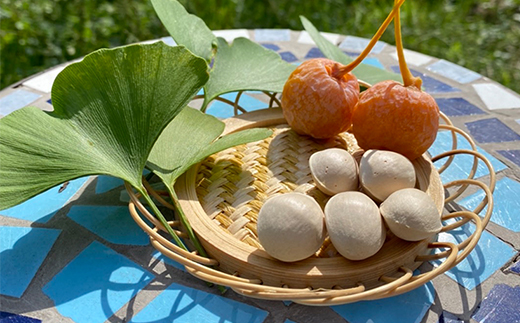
(291, 226)
(334, 170)
(411, 214)
(355, 225)
(382, 172)
(316, 102)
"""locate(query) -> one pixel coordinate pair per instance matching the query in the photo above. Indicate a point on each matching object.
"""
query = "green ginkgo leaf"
(365, 72)
(109, 109)
(191, 137)
(186, 29)
(245, 65)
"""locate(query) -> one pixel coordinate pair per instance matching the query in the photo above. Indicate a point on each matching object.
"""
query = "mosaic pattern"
(462, 164)
(111, 223)
(103, 282)
(495, 97)
(430, 84)
(6, 317)
(264, 35)
(512, 155)
(117, 268)
(17, 100)
(182, 304)
(389, 310)
(447, 317)
(489, 256)
(305, 38)
(17, 246)
(357, 44)
(505, 211)
(453, 72)
(500, 305)
(491, 130)
(223, 110)
(456, 107)
(43, 82)
(43, 207)
(414, 58)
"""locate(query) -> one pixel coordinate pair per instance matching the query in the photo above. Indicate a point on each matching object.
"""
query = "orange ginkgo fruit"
(394, 116)
(318, 102)
(320, 95)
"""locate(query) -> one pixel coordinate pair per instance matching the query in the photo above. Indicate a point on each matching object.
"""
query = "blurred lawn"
(481, 35)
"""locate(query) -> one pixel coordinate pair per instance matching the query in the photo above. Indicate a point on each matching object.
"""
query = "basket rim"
(198, 266)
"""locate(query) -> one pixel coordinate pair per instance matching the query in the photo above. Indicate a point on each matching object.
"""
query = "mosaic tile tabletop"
(73, 254)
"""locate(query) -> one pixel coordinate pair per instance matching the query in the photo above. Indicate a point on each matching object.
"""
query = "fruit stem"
(408, 78)
(343, 70)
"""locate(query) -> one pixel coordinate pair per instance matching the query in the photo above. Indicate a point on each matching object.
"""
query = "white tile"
(43, 82)
(169, 41)
(231, 34)
(358, 44)
(305, 38)
(453, 71)
(495, 97)
(151, 41)
(413, 58)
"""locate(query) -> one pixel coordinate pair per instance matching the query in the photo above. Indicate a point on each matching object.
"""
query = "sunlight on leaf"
(186, 29)
(367, 73)
(246, 65)
(191, 137)
(109, 110)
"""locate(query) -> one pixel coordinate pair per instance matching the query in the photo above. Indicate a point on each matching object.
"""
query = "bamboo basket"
(222, 195)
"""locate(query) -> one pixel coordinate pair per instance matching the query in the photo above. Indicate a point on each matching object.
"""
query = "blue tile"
(17, 100)
(515, 267)
(455, 107)
(430, 84)
(112, 223)
(491, 130)
(500, 305)
(107, 183)
(263, 35)
(447, 317)
(506, 204)
(42, 207)
(488, 256)
(513, 155)
(453, 71)
(6, 317)
(271, 46)
(22, 251)
(462, 163)
(288, 57)
(103, 281)
(358, 44)
(314, 52)
(289, 321)
(49, 101)
(223, 110)
(179, 303)
(390, 310)
(373, 62)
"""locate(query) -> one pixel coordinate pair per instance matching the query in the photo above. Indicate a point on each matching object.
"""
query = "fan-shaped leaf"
(186, 29)
(109, 110)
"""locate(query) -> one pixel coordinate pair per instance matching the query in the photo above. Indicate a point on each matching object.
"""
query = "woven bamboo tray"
(222, 195)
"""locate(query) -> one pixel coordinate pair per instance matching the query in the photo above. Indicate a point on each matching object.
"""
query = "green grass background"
(481, 35)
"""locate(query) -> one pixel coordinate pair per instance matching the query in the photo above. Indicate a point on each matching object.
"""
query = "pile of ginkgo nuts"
(394, 123)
